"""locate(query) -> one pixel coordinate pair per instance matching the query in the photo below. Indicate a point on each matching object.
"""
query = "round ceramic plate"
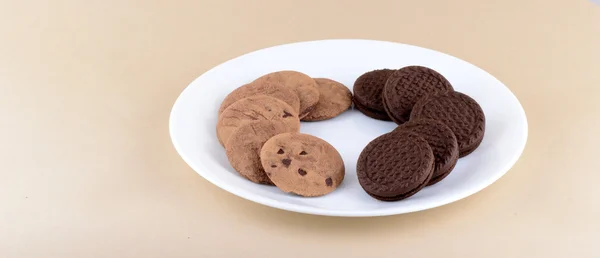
(194, 116)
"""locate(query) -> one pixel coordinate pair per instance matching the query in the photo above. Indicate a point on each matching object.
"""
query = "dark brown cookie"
(259, 107)
(442, 141)
(371, 113)
(302, 164)
(459, 112)
(407, 85)
(368, 90)
(271, 89)
(395, 166)
(244, 145)
(304, 86)
(334, 98)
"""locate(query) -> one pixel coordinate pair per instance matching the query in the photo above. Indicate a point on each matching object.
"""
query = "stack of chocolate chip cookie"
(436, 126)
(259, 127)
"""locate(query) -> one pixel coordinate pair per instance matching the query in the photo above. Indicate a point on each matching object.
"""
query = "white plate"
(194, 116)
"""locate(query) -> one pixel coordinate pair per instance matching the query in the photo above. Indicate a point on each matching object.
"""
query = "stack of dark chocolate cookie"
(259, 127)
(436, 126)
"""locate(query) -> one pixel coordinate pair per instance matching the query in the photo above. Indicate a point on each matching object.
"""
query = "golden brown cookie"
(334, 98)
(244, 145)
(259, 107)
(305, 87)
(272, 89)
(302, 164)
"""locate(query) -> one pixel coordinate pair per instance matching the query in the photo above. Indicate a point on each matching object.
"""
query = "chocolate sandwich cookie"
(395, 166)
(334, 98)
(370, 112)
(259, 107)
(271, 89)
(302, 164)
(407, 85)
(442, 141)
(304, 86)
(244, 145)
(461, 113)
(368, 90)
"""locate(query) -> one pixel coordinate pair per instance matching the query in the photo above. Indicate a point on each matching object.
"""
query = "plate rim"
(242, 193)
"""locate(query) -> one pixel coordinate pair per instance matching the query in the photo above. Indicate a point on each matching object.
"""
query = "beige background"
(87, 168)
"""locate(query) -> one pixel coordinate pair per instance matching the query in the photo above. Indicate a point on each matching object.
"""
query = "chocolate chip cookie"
(244, 145)
(259, 107)
(304, 86)
(302, 164)
(334, 98)
(271, 89)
